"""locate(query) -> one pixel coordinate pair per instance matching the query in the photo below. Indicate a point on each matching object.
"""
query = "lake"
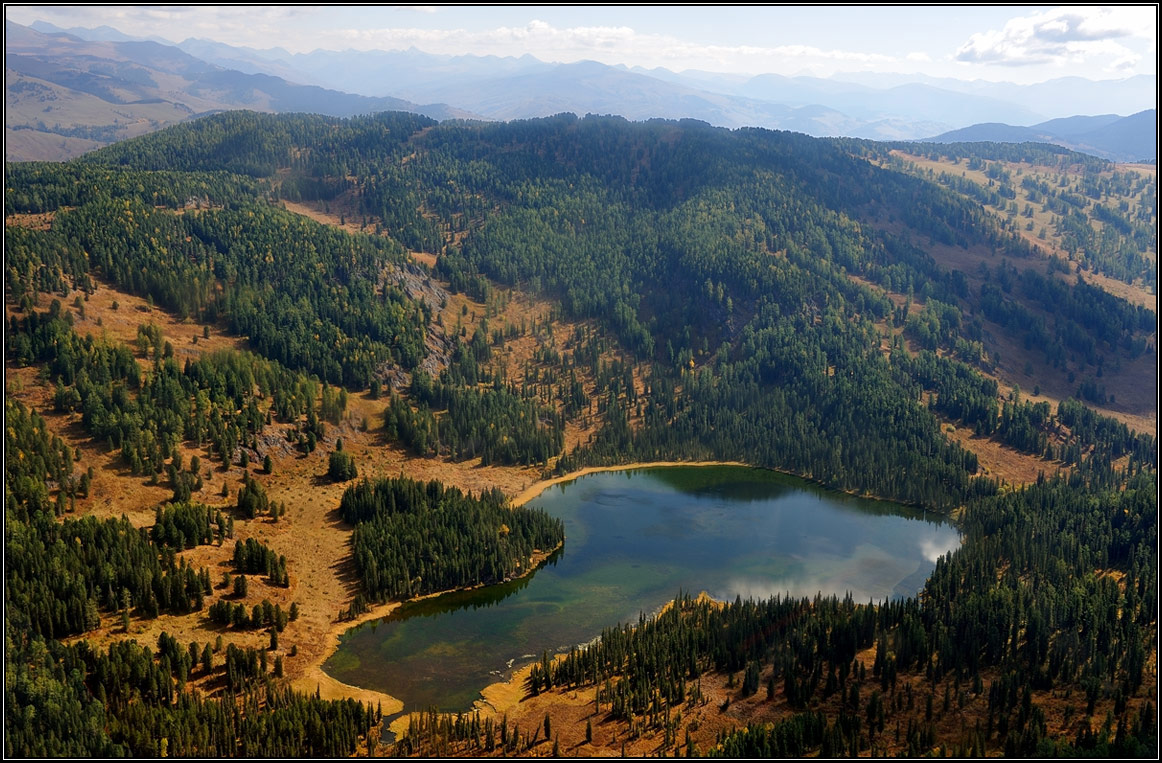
(634, 540)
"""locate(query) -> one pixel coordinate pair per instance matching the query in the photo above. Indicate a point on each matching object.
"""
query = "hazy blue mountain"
(896, 129)
(902, 103)
(1134, 137)
(246, 60)
(1077, 124)
(590, 87)
(915, 101)
(410, 74)
(479, 84)
(421, 76)
(1054, 98)
(102, 33)
(718, 82)
(513, 88)
(993, 132)
(1123, 139)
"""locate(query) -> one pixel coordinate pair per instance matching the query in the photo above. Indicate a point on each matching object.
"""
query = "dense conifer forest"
(414, 538)
(743, 295)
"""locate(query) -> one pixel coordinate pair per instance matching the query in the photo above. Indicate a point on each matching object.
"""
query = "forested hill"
(746, 295)
(753, 270)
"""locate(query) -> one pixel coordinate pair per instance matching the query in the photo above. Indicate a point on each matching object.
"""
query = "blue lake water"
(634, 539)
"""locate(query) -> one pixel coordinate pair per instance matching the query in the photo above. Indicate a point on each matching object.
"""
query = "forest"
(746, 295)
(413, 538)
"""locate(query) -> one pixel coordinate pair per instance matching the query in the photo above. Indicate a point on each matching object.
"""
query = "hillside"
(489, 305)
(1099, 217)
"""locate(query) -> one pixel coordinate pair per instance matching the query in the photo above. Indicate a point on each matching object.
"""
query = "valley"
(520, 304)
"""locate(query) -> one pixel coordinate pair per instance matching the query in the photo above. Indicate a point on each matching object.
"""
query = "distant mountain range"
(65, 96)
(76, 89)
(1121, 139)
(507, 88)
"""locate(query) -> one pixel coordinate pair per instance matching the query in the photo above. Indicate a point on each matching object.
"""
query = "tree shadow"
(346, 574)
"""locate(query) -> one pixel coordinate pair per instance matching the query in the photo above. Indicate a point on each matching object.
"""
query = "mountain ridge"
(877, 107)
(1124, 139)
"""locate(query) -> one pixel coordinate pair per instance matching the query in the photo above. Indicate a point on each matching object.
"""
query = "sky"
(1022, 44)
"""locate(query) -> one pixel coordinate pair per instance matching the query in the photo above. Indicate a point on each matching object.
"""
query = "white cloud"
(1065, 35)
(937, 546)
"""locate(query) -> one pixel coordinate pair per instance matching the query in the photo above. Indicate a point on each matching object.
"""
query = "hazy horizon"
(1016, 44)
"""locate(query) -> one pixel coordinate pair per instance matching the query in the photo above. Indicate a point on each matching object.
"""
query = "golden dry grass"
(999, 461)
(35, 221)
(311, 535)
(1137, 294)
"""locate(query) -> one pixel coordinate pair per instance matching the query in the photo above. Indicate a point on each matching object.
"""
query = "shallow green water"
(634, 539)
